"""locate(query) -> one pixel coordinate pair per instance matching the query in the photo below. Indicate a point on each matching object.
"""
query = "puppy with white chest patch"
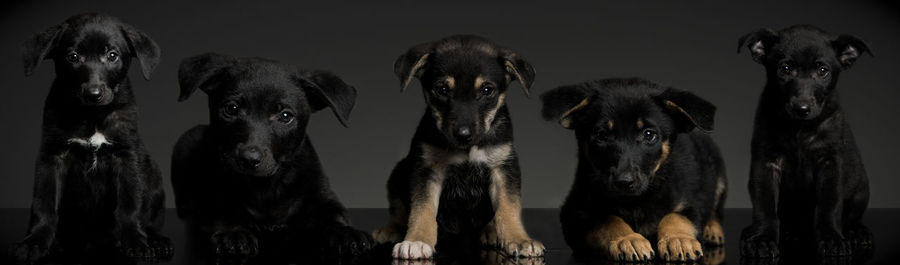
(460, 182)
(94, 177)
(645, 176)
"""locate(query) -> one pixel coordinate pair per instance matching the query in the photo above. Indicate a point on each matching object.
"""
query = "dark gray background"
(689, 45)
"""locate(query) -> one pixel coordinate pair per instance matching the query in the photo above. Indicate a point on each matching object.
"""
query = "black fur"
(462, 114)
(615, 174)
(251, 178)
(106, 192)
(807, 179)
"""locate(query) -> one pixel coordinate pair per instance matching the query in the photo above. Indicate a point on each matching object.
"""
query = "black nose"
(463, 134)
(624, 181)
(802, 110)
(251, 157)
(93, 93)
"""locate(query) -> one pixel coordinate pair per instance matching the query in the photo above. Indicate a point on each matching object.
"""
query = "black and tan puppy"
(644, 173)
(94, 184)
(807, 179)
(251, 178)
(461, 180)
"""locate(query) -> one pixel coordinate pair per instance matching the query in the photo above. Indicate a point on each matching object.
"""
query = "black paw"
(135, 247)
(759, 243)
(346, 240)
(833, 247)
(860, 237)
(237, 242)
(29, 251)
(162, 247)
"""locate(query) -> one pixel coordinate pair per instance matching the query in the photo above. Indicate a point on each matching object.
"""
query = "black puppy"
(461, 177)
(95, 184)
(251, 177)
(644, 173)
(806, 178)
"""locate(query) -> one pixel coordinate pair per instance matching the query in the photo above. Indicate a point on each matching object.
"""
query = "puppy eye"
(786, 68)
(286, 117)
(441, 89)
(487, 90)
(823, 71)
(650, 136)
(72, 57)
(231, 109)
(112, 56)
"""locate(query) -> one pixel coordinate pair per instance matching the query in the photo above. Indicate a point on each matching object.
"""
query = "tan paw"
(413, 250)
(679, 247)
(713, 233)
(631, 247)
(523, 248)
(386, 234)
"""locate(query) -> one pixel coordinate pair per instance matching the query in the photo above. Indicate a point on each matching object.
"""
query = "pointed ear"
(411, 63)
(687, 110)
(758, 42)
(39, 46)
(197, 72)
(518, 68)
(143, 47)
(562, 103)
(324, 89)
(850, 48)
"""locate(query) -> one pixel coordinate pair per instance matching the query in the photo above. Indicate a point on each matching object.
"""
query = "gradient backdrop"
(688, 45)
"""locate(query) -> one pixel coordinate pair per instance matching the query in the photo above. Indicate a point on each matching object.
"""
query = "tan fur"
(492, 113)
(618, 240)
(422, 224)
(662, 157)
(610, 124)
(713, 232)
(678, 239)
(479, 81)
(415, 70)
(506, 230)
(565, 120)
(450, 81)
(640, 123)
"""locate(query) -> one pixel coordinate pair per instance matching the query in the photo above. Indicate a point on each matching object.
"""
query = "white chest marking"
(94, 142)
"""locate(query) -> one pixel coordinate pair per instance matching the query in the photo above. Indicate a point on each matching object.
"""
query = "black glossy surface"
(542, 224)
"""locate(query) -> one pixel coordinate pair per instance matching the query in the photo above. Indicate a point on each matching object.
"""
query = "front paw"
(679, 247)
(135, 246)
(162, 247)
(632, 247)
(29, 251)
(387, 234)
(759, 243)
(238, 242)
(349, 241)
(413, 250)
(860, 237)
(833, 246)
(523, 248)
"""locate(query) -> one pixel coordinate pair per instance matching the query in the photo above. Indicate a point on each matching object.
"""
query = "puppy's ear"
(562, 103)
(39, 46)
(687, 110)
(324, 89)
(758, 42)
(143, 47)
(518, 68)
(850, 48)
(197, 72)
(411, 64)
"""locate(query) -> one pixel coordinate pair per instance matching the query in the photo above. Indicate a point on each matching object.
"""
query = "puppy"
(807, 179)
(93, 177)
(644, 173)
(461, 179)
(251, 178)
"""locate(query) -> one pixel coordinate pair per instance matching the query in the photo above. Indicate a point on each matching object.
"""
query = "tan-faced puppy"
(460, 181)
(645, 176)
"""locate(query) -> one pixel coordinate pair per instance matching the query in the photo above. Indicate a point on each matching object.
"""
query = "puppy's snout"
(93, 93)
(463, 134)
(251, 157)
(624, 181)
(802, 109)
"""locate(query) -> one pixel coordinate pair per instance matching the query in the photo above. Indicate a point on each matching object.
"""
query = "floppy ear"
(687, 110)
(196, 72)
(410, 64)
(143, 47)
(324, 89)
(518, 68)
(562, 103)
(39, 46)
(850, 48)
(758, 42)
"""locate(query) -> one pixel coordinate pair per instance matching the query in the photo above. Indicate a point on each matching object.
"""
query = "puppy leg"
(678, 239)
(48, 183)
(616, 238)
(421, 235)
(760, 239)
(391, 232)
(129, 186)
(506, 230)
(233, 240)
(828, 212)
(713, 233)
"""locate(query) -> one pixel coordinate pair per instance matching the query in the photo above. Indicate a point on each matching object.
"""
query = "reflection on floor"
(542, 224)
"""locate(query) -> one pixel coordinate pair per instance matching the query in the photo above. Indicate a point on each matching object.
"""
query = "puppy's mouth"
(95, 95)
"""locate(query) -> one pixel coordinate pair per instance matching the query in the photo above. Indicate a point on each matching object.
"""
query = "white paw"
(413, 250)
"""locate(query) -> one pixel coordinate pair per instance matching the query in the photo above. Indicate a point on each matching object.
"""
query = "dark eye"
(286, 117)
(649, 136)
(112, 56)
(72, 57)
(786, 68)
(231, 109)
(441, 89)
(823, 71)
(487, 90)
